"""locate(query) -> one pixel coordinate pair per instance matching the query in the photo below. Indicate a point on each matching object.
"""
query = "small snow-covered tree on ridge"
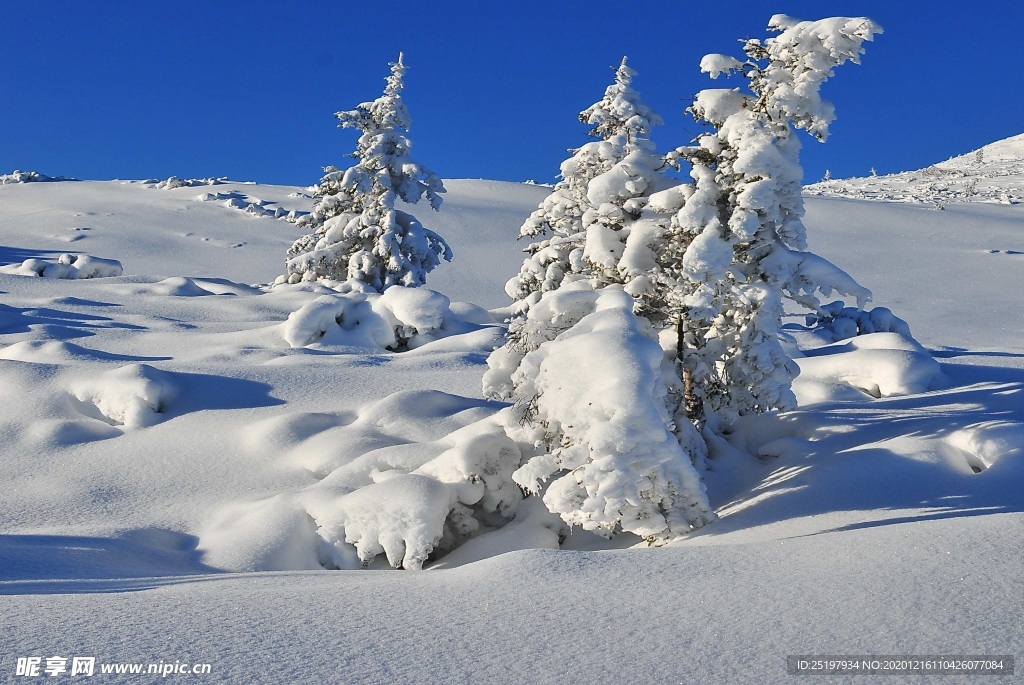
(746, 243)
(356, 232)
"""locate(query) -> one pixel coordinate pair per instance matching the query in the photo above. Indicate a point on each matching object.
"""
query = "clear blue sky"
(117, 89)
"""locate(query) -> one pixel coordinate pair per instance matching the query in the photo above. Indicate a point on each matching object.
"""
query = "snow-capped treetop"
(800, 59)
(622, 121)
(382, 122)
(387, 111)
(603, 188)
(620, 110)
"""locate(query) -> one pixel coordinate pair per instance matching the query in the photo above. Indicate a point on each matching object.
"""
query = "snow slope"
(158, 428)
(993, 173)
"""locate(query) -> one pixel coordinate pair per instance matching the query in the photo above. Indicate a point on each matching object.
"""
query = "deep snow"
(158, 427)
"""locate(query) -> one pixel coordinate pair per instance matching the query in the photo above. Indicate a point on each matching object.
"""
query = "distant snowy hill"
(993, 173)
(228, 230)
(169, 459)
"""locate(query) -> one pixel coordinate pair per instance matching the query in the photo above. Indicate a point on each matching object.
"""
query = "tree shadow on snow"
(17, 255)
(60, 325)
(62, 564)
(886, 455)
(954, 352)
(199, 391)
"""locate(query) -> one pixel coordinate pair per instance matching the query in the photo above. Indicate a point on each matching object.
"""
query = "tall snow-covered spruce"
(586, 374)
(356, 232)
(746, 247)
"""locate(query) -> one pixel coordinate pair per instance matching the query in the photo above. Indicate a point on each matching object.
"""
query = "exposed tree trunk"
(690, 401)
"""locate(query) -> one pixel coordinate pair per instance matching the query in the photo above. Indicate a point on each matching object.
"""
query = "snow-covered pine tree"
(585, 373)
(356, 232)
(602, 188)
(746, 247)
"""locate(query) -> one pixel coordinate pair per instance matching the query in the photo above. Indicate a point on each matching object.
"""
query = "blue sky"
(248, 90)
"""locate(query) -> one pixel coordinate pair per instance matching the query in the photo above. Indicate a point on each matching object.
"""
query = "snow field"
(158, 429)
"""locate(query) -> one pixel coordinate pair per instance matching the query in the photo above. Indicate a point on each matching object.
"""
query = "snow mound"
(386, 492)
(68, 267)
(132, 396)
(879, 364)
(179, 286)
(272, 534)
(399, 319)
(983, 445)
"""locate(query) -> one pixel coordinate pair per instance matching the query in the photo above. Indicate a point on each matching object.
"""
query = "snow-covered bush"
(837, 321)
(29, 177)
(358, 316)
(173, 182)
(408, 515)
(67, 266)
(410, 505)
(356, 232)
(746, 247)
(878, 364)
(591, 398)
(132, 396)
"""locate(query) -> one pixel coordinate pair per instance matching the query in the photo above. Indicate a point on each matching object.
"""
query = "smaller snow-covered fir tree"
(356, 232)
(594, 195)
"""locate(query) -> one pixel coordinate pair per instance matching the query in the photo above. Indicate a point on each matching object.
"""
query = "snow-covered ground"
(164, 445)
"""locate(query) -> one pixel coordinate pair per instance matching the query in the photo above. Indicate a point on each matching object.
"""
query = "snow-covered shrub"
(132, 396)
(67, 266)
(402, 517)
(745, 243)
(591, 400)
(407, 515)
(410, 505)
(356, 232)
(173, 182)
(879, 364)
(29, 177)
(837, 321)
(397, 319)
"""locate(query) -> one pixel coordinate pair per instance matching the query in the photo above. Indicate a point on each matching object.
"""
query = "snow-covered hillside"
(993, 173)
(168, 455)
